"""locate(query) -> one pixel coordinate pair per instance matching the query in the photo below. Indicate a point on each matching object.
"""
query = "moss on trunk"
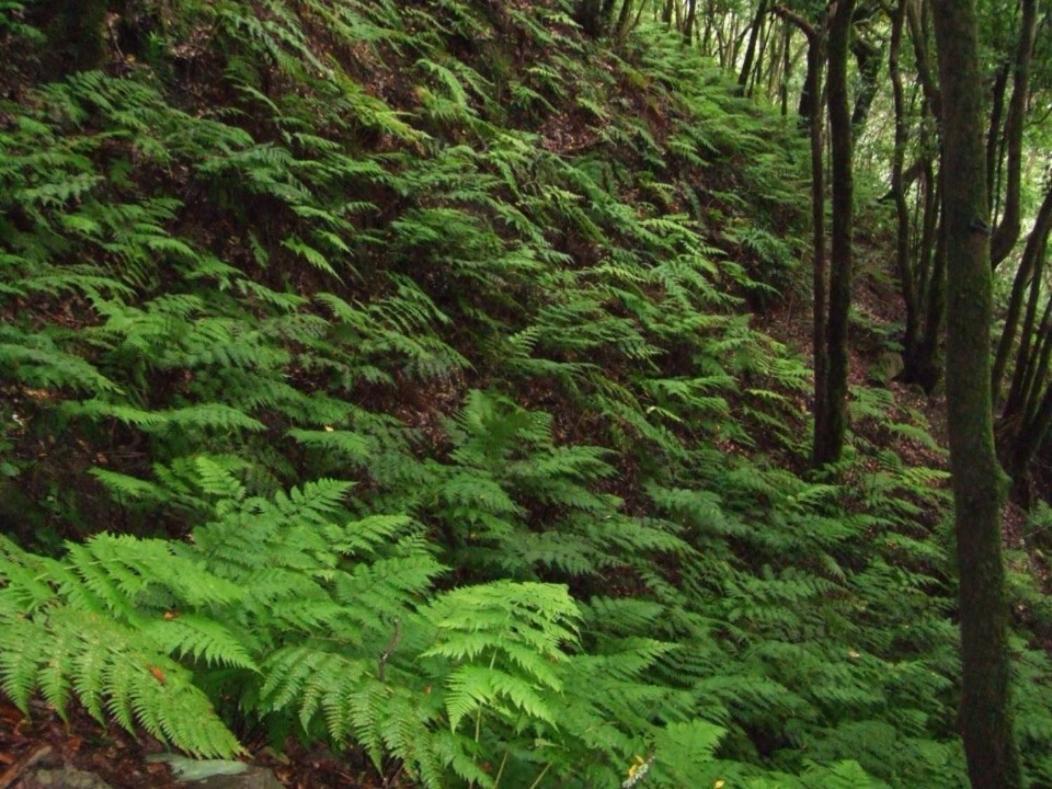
(986, 723)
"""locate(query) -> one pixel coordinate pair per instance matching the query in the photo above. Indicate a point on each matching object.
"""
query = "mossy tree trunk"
(986, 723)
(829, 437)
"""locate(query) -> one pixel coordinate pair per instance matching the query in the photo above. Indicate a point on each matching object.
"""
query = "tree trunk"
(816, 123)
(932, 95)
(688, 25)
(1029, 270)
(867, 56)
(907, 283)
(750, 50)
(815, 58)
(1035, 370)
(829, 442)
(75, 31)
(589, 16)
(996, 116)
(1008, 229)
(1030, 364)
(624, 19)
(783, 86)
(985, 719)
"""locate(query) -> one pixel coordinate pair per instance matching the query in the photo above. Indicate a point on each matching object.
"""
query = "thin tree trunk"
(688, 26)
(1037, 429)
(783, 88)
(1008, 229)
(830, 442)
(985, 719)
(589, 16)
(1029, 270)
(1036, 367)
(623, 19)
(920, 51)
(902, 246)
(761, 59)
(1029, 348)
(750, 50)
(815, 58)
(1027, 361)
(867, 56)
(996, 117)
(816, 125)
(929, 227)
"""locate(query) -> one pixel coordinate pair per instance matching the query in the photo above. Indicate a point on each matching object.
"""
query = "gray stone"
(252, 778)
(61, 778)
(887, 366)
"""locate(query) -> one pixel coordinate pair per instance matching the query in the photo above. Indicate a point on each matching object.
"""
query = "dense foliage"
(380, 373)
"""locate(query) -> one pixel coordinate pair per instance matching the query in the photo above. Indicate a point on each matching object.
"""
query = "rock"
(61, 778)
(887, 367)
(251, 778)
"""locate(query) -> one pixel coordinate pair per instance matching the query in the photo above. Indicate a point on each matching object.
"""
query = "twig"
(12, 773)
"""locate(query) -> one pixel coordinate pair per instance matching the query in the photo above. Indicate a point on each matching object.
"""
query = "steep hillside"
(382, 374)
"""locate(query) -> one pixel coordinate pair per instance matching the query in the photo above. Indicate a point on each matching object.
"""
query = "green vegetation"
(383, 374)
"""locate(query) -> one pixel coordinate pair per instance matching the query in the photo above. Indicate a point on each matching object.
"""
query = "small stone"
(887, 367)
(252, 778)
(61, 778)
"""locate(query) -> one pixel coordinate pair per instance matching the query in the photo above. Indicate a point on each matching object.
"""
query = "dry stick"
(12, 773)
(540, 777)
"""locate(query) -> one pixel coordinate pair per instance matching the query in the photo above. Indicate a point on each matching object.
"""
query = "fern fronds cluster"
(393, 387)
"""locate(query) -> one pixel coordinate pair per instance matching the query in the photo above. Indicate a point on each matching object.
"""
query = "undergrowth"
(382, 374)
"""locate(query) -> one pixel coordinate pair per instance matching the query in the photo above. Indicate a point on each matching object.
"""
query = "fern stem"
(500, 770)
(478, 714)
(537, 781)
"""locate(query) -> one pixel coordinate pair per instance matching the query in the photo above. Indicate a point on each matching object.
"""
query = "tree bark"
(985, 718)
(829, 442)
